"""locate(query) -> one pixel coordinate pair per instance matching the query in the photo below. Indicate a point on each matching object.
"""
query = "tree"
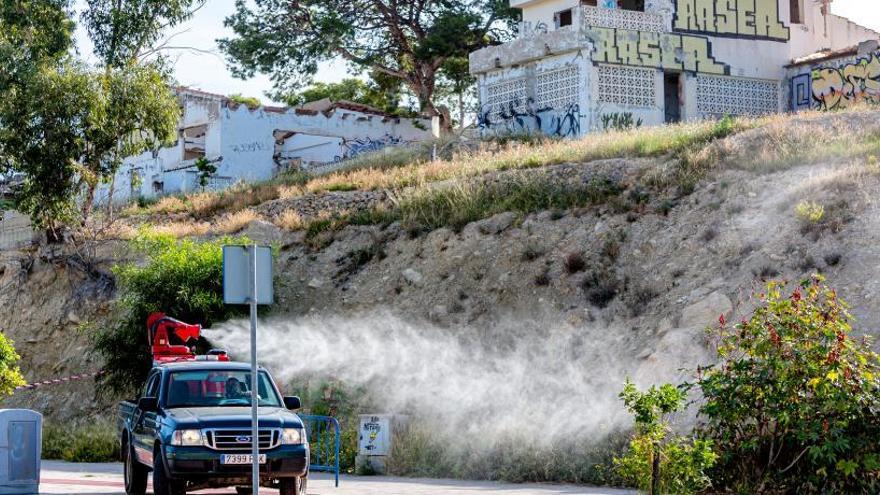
(79, 126)
(457, 82)
(31, 33)
(123, 31)
(794, 403)
(10, 375)
(656, 463)
(409, 40)
(352, 89)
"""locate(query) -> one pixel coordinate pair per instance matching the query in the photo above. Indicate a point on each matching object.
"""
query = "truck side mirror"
(292, 402)
(148, 404)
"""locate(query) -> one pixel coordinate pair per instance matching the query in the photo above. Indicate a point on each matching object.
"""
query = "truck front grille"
(240, 439)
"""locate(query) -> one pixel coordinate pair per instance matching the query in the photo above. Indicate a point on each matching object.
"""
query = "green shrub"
(809, 212)
(794, 405)
(656, 462)
(10, 375)
(181, 278)
(96, 442)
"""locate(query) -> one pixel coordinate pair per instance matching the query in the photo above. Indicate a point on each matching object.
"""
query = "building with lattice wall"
(579, 66)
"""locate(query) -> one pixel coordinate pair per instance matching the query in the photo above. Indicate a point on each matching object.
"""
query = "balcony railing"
(592, 17)
(622, 19)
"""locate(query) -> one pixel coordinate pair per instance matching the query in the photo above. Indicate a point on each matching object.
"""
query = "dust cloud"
(530, 379)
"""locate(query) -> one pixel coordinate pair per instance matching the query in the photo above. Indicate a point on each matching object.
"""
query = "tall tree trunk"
(89, 201)
(461, 110)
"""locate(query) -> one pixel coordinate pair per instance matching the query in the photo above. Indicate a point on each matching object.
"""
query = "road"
(88, 479)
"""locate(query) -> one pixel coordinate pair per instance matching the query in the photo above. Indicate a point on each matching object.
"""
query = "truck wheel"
(162, 485)
(135, 473)
(292, 486)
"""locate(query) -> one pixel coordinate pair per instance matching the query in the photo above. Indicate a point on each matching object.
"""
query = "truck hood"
(231, 417)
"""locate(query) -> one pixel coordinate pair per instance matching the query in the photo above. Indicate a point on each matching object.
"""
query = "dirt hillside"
(649, 270)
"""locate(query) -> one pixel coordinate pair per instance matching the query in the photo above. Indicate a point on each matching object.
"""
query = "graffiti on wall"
(839, 87)
(657, 50)
(518, 117)
(753, 19)
(355, 147)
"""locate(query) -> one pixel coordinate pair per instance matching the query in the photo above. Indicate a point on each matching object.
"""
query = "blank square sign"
(237, 273)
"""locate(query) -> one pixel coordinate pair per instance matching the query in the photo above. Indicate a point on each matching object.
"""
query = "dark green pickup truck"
(192, 428)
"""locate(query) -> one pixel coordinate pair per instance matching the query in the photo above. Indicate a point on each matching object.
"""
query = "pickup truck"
(191, 427)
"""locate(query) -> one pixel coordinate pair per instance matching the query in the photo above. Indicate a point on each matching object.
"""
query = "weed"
(807, 264)
(531, 252)
(600, 288)
(809, 212)
(766, 272)
(611, 248)
(574, 262)
(289, 220)
(542, 279)
(665, 207)
(709, 234)
(638, 298)
(832, 259)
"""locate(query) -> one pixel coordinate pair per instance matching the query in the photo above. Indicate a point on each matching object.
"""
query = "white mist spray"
(520, 378)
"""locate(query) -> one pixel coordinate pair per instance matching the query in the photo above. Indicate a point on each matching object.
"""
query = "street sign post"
(247, 279)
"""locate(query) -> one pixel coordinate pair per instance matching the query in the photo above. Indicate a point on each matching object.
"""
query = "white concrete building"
(255, 144)
(578, 65)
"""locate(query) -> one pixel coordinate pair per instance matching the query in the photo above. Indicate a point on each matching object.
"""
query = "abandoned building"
(583, 65)
(255, 144)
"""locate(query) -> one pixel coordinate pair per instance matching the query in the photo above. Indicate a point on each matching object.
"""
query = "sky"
(208, 72)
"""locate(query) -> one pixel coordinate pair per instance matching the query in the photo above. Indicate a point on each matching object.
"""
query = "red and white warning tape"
(56, 381)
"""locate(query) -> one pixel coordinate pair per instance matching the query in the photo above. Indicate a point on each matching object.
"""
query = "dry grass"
(290, 220)
(182, 229)
(689, 150)
(234, 222)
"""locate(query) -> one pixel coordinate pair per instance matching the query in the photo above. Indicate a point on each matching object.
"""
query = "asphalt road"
(82, 479)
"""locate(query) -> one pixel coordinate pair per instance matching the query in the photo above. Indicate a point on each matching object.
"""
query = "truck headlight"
(186, 438)
(293, 436)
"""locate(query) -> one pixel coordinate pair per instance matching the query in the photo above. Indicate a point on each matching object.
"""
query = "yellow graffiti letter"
(767, 21)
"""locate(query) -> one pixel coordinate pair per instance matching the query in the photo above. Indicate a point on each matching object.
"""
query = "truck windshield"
(218, 388)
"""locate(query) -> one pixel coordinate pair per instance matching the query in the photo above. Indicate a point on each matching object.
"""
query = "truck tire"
(134, 472)
(293, 486)
(162, 485)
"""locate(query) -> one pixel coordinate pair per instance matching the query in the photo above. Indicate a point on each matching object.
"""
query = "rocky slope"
(646, 275)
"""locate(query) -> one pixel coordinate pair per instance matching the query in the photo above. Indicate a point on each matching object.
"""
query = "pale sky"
(207, 71)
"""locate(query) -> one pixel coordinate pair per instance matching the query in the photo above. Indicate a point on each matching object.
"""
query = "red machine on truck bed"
(172, 340)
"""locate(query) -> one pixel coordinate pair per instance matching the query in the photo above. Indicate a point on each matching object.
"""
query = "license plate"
(240, 459)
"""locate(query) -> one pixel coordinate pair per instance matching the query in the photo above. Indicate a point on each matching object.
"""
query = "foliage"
(809, 211)
(794, 404)
(378, 92)
(251, 102)
(10, 375)
(408, 41)
(32, 33)
(180, 278)
(674, 465)
(95, 442)
(122, 32)
(206, 169)
(80, 125)
(620, 121)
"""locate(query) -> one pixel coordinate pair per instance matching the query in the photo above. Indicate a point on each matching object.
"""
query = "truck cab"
(191, 427)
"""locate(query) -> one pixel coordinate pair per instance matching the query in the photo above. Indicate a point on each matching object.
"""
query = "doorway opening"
(672, 97)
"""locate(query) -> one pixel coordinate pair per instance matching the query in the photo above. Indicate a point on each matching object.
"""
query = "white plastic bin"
(20, 442)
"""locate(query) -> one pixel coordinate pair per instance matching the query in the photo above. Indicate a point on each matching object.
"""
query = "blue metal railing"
(323, 433)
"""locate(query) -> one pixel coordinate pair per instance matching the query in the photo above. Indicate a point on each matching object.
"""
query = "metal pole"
(255, 429)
